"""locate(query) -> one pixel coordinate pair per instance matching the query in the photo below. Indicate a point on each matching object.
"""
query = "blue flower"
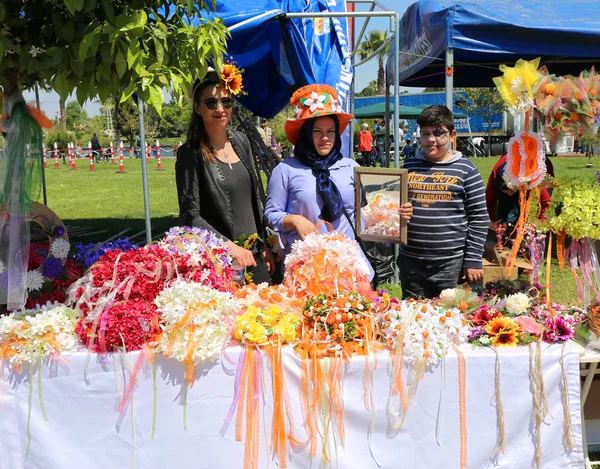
(52, 267)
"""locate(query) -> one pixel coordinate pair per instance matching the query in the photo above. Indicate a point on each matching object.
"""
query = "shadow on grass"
(93, 230)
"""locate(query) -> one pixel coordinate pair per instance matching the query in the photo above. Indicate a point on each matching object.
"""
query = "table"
(589, 360)
(84, 428)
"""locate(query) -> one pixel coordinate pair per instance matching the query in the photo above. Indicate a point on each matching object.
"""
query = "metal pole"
(362, 31)
(396, 121)
(449, 77)
(396, 90)
(144, 172)
(342, 14)
(37, 101)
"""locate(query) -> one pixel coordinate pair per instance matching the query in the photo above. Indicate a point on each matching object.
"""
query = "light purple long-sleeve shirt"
(293, 191)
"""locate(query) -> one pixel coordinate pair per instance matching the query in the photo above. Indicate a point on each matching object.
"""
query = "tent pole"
(449, 77)
(144, 172)
(37, 102)
(396, 89)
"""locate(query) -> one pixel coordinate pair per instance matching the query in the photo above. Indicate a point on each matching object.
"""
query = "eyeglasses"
(212, 103)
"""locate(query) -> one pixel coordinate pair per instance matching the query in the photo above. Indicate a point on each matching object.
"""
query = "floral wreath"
(59, 247)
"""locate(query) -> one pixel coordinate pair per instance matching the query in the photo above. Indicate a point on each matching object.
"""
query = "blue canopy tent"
(281, 54)
(475, 36)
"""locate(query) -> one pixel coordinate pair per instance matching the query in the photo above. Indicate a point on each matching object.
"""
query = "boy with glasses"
(447, 232)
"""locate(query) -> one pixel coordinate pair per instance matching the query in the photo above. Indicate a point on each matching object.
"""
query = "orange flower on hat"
(311, 102)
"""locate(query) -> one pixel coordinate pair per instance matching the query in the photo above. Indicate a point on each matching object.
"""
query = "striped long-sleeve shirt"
(450, 218)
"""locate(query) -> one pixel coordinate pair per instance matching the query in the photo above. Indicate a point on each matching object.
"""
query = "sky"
(364, 73)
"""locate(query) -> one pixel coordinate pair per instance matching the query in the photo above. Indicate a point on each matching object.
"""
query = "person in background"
(408, 150)
(379, 136)
(96, 147)
(365, 145)
(318, 182)
(266, 134)
(447, 232)
(217, 187)
(503, 202)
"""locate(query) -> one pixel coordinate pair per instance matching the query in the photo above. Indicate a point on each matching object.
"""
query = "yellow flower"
(515, 86)
(251, 241)
(270, 316)
(505, 339)
(286, 330)
(256, 334)
(500, 326)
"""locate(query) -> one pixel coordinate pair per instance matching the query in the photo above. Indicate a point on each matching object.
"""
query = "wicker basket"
(594, 318)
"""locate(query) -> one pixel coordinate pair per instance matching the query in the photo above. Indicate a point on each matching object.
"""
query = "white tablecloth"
(84, 431)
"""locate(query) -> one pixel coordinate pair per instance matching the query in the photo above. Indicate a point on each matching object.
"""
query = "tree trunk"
(489, 152)
(63, 115)
(380, 79)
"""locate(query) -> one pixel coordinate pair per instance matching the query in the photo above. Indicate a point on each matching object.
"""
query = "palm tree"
(374, 40)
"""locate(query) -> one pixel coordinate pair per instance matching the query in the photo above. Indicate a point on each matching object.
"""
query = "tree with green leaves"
(76, 116)
(175, 119)
(483, 102)
(370, 90)
(108, 47)
(374, 43)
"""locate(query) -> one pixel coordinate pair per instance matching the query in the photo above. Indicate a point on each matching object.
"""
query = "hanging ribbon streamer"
(538, 394)
(438, 423)
(20, 184)
(568, 438)
(560, 248)
(462, 406)
(501, 438)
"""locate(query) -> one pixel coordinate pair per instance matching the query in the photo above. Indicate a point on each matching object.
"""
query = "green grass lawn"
(106, 202)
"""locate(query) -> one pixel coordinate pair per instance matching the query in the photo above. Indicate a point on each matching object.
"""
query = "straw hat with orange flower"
(310, 102)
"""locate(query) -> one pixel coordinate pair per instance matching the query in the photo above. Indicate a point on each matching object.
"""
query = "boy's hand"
(406, 211)
(473, 275)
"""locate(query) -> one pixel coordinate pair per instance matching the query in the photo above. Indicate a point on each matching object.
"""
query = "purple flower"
(52, 267)
(598, 176)
(476, 332)
(59, 231)
(559, 329)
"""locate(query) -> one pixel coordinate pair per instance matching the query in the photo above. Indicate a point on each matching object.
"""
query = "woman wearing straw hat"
(216, 184)
(318, 182)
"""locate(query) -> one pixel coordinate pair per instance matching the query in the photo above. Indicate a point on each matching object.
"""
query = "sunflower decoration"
(503, 332)
(231, 77)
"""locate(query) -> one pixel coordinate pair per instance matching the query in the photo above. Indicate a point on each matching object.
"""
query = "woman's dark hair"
(436, 116)
(197, 135)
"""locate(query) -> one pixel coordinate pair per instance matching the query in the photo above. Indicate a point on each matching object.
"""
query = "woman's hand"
(406, 211)
(299, 223)
(242, 257)
(270, 260)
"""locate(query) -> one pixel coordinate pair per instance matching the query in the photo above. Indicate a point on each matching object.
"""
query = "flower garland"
(49, 277)
(260, 326)
(561, 326)
(264, 295)
(35, 334)
(381, 216)
(326, 263)
(197, 322)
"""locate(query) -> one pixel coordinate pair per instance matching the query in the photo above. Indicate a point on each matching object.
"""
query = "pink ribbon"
(132, 380)
(236, 392)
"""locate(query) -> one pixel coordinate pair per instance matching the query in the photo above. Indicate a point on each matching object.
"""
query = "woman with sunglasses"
(216, 183)
(318, 182)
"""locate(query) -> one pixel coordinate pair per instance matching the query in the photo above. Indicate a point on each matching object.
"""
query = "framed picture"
(379, 192)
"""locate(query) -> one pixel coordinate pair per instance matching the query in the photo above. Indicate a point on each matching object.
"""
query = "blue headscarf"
(306, 152)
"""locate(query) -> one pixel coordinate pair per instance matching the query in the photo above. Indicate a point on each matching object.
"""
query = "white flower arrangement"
(197, 321)
(448, 294)
(340, 256)
(517, 303)
(34, 334)
(60, 248)
(428, 331)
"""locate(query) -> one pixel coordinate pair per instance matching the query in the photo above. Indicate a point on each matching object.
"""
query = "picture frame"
(385, 190)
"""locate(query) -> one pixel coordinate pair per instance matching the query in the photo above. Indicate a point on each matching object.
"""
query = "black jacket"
(204, 200)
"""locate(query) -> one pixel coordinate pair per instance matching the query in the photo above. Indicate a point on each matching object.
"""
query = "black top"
(205, 198)
(95, 143)
(239, 184)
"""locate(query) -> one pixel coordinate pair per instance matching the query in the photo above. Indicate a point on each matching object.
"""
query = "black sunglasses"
(212, 103)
